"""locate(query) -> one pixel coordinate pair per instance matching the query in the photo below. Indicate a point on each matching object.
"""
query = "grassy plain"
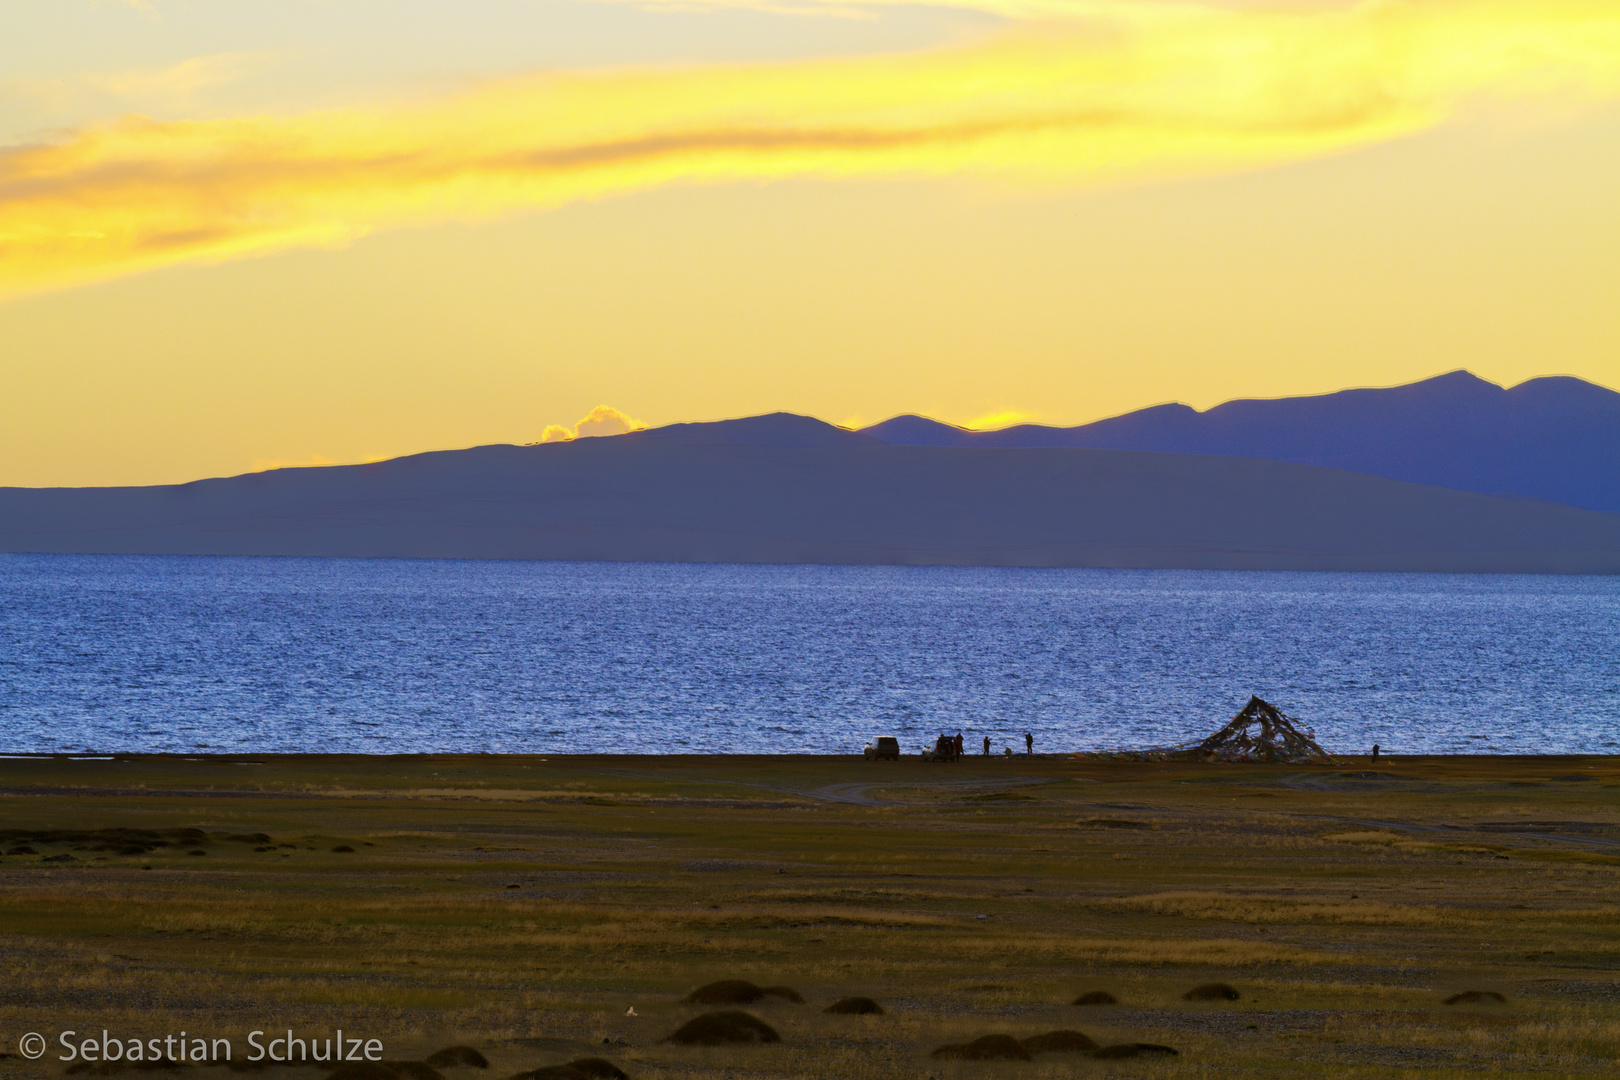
(1344, 903)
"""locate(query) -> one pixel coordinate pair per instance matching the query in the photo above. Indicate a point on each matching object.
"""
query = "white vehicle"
(884, 746)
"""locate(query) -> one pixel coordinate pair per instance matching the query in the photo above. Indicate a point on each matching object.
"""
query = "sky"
(243, 234)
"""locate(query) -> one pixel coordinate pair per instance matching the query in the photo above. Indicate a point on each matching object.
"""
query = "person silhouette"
(1029, 743)
(1375, 753)
(987, 746)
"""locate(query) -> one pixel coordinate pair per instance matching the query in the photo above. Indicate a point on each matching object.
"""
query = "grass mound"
(1476, 997)
(726, 992)
(363, 1070)
(452, 1057)
(113, 1068)
(1095, 997)
(1060, 1042)
(1216, 991)
(1120, 1051)
(552, 1072)
(587, 1068)
(854, 1006)
(985, 1048)
(415, 1070)
(739, 992)
(717, 1028)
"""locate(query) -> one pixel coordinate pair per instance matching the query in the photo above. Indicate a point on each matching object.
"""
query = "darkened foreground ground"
(523, 904)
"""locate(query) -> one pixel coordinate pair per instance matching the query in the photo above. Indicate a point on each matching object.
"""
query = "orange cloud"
(1120, 89)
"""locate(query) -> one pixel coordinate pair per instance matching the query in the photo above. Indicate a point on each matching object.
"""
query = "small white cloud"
(605, 420)
(602, 420)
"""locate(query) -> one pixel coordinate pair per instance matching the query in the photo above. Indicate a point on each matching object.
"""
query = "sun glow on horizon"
(996, 420)
(238, 236)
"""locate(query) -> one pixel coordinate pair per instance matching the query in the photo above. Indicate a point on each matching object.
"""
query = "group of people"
(950, 748)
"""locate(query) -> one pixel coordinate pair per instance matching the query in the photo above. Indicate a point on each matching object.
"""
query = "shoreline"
(1081, 757)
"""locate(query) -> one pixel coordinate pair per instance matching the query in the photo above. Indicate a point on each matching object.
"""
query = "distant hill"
(1554, 438)
(791, 489)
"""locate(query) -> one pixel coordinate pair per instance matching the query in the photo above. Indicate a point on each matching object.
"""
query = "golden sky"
(235, 235)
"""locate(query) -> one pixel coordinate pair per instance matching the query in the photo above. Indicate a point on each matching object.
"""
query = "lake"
(166, 653)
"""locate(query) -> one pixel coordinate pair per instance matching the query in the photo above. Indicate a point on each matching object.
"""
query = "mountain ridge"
(1554, 438)
(782, 487)
(707, 495)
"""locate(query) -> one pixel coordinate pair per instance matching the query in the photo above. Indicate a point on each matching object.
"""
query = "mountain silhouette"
(791, 489)
(778, 429)
(1555, 438)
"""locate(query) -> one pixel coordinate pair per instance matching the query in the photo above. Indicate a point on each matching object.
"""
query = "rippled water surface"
(167, 653)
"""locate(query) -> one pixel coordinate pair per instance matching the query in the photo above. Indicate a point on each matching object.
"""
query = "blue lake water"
(161, 653)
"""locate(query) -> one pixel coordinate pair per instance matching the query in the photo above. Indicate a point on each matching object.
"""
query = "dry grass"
(1292, 910)
(1345, 913)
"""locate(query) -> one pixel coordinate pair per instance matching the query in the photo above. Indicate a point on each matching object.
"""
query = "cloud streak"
(180, 81)
(1117, 90)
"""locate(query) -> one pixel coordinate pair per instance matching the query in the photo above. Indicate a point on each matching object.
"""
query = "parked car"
(884, 746)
